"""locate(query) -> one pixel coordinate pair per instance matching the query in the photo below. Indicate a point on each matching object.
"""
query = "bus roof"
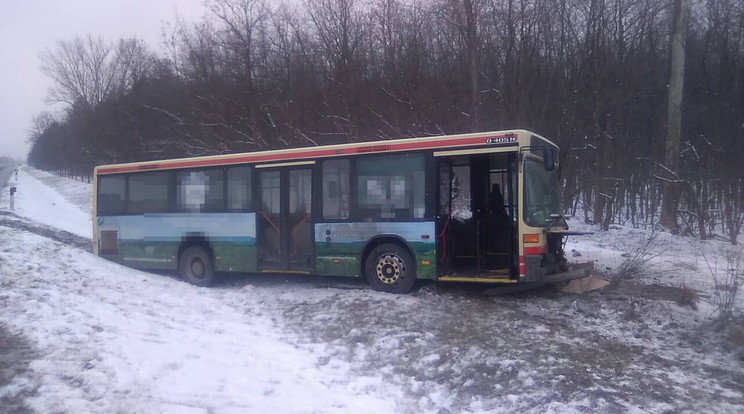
(323, 151)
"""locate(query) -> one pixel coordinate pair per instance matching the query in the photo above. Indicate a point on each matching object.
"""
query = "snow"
(40, 203)
(113, 339)
(675, 261)
(118, 339)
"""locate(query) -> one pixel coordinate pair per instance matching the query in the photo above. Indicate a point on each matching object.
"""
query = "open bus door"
(476, 220)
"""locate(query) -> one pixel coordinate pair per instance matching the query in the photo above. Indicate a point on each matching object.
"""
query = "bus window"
(541, 197)
(239, 188)
(461, 197)
(148, 192)
(270, 237)
(336, 189)
(391, 187)
(270, 192)
(200, 191)
(111, 194)
(445, 188)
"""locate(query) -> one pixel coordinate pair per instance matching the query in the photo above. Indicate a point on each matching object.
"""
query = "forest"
(591, 75)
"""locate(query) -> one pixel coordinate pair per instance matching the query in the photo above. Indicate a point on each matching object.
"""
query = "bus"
(479, 207)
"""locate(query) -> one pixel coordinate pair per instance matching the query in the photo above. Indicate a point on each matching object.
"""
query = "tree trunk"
(471, 39)
(672, 188)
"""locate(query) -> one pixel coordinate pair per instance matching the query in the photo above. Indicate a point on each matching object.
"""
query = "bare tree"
(81, 70)
(242, 20)
(133, 62)
(40, 124)
(89, 70)
(340, 29)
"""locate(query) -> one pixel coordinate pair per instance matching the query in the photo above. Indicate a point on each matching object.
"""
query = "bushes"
(726, 284)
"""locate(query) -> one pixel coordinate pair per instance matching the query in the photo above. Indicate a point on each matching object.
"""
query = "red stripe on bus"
(529, 251)
(534, 250)
(311, 153)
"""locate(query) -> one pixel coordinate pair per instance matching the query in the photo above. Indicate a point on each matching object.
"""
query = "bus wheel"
(389, 268)
(196, 266)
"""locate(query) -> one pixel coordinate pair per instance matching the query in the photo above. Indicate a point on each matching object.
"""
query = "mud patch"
(651, 291)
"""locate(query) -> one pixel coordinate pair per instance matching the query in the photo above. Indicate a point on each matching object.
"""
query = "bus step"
(496, 273)
(476, 279)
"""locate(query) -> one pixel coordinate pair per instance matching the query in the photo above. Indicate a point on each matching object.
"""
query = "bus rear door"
(285, 239)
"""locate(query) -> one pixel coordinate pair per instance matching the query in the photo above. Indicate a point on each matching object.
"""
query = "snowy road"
(40, 203)
(111, 339)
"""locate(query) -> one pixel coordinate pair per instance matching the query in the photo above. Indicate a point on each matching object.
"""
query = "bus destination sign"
(502, 140)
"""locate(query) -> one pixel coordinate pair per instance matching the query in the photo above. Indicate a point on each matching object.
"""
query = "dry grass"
(726, 286)
(636, 261)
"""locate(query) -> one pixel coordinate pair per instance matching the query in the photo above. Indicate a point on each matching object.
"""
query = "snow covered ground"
(111, 339)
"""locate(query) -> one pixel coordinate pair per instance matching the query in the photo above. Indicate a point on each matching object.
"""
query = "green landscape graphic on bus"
(339, 246)
(152, 240)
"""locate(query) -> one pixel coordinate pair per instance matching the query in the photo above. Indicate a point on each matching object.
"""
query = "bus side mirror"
(548, 158)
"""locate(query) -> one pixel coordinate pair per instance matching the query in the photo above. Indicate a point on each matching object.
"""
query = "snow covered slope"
(66, 206)
(116, 340)
(672, 260)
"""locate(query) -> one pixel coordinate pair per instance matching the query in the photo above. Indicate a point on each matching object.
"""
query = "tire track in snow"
(13, 221)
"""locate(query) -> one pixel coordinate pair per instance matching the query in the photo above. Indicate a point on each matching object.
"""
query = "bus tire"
(389, 268)
(196, 266)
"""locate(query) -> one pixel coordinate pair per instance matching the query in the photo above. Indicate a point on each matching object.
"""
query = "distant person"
(499, 222)
(496, 202)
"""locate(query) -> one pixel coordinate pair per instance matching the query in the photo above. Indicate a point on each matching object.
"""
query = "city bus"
(479, 207)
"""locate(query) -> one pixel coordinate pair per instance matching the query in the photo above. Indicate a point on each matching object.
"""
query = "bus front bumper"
(573, 273)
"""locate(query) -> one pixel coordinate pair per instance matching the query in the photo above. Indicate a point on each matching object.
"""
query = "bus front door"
(285, 240)
(477, 204)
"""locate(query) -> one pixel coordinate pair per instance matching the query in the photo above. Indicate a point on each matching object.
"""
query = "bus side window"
(111, 194)
(200, 191)
(239, 188)
(391, 187)
(148, 192)
(336, 189)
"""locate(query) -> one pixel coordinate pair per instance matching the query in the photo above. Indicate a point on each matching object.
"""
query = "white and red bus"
(481, 207)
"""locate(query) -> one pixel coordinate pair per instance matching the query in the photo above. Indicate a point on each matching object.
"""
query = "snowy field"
(88, 335)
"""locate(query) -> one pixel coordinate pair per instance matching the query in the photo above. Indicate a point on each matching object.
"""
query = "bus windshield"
(541, 197)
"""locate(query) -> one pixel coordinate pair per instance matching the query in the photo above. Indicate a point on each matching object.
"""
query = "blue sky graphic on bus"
(240, 227)
(355, 232)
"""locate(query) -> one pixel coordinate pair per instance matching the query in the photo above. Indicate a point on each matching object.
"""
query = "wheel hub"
(197, 268)
(390, 269)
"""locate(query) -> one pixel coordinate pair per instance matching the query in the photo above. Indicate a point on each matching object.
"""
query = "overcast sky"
(27, 27)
